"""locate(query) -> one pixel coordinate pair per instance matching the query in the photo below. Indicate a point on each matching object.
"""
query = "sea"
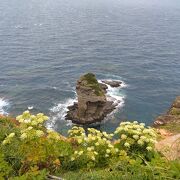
(46, 45)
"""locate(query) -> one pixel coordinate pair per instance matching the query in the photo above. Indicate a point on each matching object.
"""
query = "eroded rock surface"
(172, 116)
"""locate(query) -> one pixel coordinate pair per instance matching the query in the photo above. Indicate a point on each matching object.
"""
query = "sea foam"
(3, 106)
(59, 111)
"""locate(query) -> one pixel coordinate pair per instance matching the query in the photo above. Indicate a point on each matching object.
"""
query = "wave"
(115, 94)
(59, 111)
(3, 106)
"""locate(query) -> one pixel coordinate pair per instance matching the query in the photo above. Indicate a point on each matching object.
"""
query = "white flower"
(80, 152)
(27, 121)
(76, 152)
(19, 117)
(23, 136)
(125, 128)
(136, 136)
(79, 141)
(5, 142)
(135, 122)
(142, 137)
(45, 118)
(149, 148)
(126, 144)
(110, 145)
(72, 158)
(29, 128)
(40, 120)
(140, 142)
(11, 135)
(93, 138)
(40, 114)
(116, 149)
(39, 133)
(93, 158)
(108, 151)
(123, 136)
(26, 112)
(34, 123)
(89, 149)
(142, 124)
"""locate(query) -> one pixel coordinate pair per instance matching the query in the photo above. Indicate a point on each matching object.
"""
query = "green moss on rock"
(92, 82)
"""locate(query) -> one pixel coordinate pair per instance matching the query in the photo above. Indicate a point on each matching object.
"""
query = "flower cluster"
(53, 135)
(31, 120)
(135, 136)
(8, 139)
(94, 146)
(31, 125)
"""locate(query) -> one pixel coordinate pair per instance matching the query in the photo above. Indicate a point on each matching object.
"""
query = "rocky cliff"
(172, 115)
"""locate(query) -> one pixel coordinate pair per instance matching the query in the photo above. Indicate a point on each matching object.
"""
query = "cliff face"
(172, 116)
(92, 105)
(168, 126)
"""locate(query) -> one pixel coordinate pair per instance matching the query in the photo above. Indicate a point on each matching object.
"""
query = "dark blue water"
(45, 45)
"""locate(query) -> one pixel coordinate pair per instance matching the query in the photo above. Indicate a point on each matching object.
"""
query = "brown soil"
(169, 146)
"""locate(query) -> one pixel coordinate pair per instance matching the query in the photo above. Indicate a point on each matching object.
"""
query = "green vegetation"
(30, 151)
(93, 83)
(123, 170)
(174, 111)
(172, 127)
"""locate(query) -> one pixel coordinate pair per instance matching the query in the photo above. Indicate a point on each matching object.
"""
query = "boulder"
(92, 105)
(112, 83)
(104, 87)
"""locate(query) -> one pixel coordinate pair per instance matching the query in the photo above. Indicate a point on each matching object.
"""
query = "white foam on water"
(59, 112)
(114, 93)
(30, 107)
(3, 104)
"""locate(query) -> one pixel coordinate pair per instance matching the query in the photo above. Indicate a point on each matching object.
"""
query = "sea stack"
(92, 105)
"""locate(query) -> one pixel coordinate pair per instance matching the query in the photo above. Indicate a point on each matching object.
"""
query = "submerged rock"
(92, 105)
(113, 83)
(172, 116)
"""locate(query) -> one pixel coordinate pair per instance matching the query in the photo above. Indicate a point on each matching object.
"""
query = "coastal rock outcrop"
(92, 105)
(172, 116)
(113, 83)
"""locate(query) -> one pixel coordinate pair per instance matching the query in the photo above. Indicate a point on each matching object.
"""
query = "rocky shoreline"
(172, 115)
(168, 127)
(93, 105)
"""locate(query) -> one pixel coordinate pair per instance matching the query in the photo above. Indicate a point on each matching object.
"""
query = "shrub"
(134, 138)
(93, 149)
(5, 168)
(30, 151)
(34, 146)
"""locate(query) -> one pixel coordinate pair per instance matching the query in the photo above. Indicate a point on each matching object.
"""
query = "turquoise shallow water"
(46, 45)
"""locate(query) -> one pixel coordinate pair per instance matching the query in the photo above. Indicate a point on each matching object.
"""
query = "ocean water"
(45, 45)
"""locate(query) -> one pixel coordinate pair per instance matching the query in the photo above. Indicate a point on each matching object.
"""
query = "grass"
(93, 83)
(126, 172)
(172, 127)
